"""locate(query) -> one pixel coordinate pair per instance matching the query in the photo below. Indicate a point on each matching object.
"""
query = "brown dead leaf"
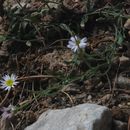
(105, 99)
(77, 6)
(4, 48)
(127, 24)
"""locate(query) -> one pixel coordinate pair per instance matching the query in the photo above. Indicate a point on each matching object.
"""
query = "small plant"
(92, 63)
(78, 45)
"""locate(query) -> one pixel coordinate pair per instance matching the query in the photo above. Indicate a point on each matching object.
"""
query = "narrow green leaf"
(2, 38)
(120, 39)
(66, 28)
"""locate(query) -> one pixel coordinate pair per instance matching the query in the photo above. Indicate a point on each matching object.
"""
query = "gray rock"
(81, 117)
(119, 125)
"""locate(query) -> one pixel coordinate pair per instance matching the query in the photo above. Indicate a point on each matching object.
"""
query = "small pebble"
(120, 105)
(1, 19)
(89, 97)
(128, 103)
(129, 33)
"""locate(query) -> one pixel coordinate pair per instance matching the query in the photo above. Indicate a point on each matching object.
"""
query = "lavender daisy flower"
(75, 43)
(7, 112)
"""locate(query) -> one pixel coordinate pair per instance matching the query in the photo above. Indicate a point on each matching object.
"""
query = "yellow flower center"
(9, 83)
(78, 42)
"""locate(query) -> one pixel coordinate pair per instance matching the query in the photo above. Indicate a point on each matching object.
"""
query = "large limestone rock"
(81, 117)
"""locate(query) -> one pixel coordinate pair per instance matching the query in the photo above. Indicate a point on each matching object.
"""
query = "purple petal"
(82, 45)
(83, 40)
(74, 38)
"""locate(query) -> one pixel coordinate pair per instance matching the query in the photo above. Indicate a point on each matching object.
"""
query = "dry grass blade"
(35, 77)
(5, 99)
(72, 102)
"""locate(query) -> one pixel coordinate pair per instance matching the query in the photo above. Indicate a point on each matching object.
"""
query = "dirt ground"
(37, 53)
